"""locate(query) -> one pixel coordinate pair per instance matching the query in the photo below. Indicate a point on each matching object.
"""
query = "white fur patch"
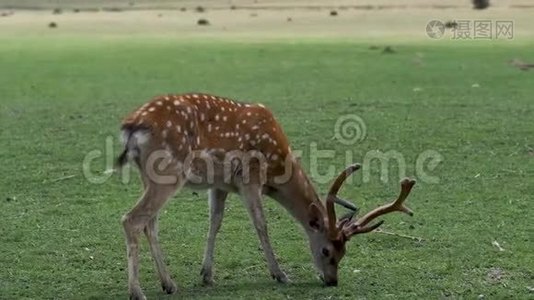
(141, 137)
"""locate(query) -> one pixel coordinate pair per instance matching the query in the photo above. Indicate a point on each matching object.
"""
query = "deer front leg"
(134, 222)
(151, 232)
(251, 196)
(216, 201)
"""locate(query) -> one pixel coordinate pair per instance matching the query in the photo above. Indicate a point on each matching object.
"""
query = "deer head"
(330, 235)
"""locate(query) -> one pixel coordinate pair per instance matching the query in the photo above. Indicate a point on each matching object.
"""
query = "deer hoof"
(280, 276)
(136, 294)
(169, 287)
(207, 281)
(207, 276)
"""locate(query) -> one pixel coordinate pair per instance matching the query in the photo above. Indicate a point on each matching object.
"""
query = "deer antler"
(360, 226)
(332, 198)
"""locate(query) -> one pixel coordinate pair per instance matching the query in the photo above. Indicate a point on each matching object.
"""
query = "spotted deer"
(203, 141)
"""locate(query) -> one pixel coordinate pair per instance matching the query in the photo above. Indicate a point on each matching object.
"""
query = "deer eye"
(326, 252)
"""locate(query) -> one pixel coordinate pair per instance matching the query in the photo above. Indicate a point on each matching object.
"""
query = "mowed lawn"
(61, 236)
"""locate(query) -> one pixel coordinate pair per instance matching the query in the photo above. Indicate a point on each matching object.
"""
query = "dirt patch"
(481, 4)
(6, 14)
(388, 50)
(451, 24)
(495, 275)
(203, 22)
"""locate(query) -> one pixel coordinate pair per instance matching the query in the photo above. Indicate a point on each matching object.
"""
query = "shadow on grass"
(247, 288)
(243, 289)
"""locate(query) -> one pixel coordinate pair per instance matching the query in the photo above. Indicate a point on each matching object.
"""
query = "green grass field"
(61, 236)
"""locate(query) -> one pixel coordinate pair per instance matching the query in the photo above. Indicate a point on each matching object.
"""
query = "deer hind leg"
(251, 196)
(151, 232)
(216, 201)
(144, 215)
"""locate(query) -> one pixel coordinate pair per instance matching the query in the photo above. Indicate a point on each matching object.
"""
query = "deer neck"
(296, 195)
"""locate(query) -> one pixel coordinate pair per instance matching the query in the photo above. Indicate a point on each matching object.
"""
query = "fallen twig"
(63, 178)
(414, 238)
(496, 244)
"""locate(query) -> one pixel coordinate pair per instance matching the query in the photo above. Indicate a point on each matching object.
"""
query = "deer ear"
(316, 221)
